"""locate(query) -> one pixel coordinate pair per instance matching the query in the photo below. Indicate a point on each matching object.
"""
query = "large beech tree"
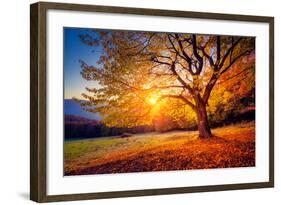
(141, 73)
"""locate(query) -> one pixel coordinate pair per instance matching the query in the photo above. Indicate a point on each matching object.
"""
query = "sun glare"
(152, 100)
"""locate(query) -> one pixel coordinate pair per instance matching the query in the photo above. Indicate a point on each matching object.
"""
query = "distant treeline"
(246, 114)
(80, 127)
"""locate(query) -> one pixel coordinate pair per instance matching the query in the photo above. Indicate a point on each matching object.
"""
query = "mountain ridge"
(73, 108)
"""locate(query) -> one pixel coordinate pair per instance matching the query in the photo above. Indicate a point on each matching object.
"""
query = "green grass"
(101, 146)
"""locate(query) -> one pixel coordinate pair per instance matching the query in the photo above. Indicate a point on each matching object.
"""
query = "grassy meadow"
(231, 146)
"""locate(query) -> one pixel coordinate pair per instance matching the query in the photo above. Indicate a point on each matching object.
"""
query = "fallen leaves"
(232, 146)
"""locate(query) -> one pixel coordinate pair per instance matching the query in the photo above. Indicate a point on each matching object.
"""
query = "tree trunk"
(202, 119)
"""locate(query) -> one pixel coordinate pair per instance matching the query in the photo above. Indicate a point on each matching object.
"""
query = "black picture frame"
(38, 101)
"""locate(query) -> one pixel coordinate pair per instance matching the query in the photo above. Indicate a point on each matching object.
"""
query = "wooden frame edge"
(37, 102)
(34, 188)
(271, 100)
(155, 192)
(38, 112)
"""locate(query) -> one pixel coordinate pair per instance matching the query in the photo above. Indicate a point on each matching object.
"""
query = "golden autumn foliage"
(148, 78)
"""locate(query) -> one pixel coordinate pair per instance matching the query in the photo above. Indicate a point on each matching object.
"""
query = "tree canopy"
(148, 76)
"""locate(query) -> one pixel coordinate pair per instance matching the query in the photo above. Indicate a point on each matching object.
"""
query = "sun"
(152, 100)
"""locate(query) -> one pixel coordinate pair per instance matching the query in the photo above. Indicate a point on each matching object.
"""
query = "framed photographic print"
(134, 102)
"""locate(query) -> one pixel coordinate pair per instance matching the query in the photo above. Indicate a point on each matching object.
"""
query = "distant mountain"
(73, 108)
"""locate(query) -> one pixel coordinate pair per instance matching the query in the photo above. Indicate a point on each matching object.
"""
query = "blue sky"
(74, 50)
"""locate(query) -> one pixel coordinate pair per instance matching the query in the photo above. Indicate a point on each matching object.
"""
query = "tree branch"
(210, 86)
(163, 87)
(173, 69)
(185, 55)
(234, 76)
(160, 62)
(218, 49)
(210, 59)
(228, 52)
(247, 52)
(180, 97)
(198, 57)
(176, 50)
(143, 48)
